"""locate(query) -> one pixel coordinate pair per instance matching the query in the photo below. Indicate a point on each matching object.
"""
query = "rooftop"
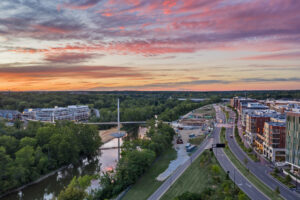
(276, 124)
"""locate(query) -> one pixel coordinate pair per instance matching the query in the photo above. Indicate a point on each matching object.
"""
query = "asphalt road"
(234, 174)
(260, 170)
(175, 175)
(241, 181)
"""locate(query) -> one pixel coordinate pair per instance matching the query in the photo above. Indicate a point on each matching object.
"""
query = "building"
(279, 118)
(234, 102)
(10, 115)
(250, 108)
(75, 113)
(255, 127)
(293, 140)
(243, 103)
(274, 141)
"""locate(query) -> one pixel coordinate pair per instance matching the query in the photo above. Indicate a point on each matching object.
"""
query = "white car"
(280, 164)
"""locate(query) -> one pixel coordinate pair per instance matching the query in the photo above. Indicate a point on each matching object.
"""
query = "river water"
(51, 186)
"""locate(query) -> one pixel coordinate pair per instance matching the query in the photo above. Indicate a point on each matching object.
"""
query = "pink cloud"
(275, 56)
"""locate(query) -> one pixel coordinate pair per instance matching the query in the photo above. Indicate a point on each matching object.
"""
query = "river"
(51, 186)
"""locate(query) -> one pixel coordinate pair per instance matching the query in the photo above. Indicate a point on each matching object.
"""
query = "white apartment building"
(75, 113)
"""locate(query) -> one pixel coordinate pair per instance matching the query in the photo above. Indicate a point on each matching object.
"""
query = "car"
(231, 136)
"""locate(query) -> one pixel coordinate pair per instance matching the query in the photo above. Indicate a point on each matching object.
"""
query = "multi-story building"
(234, 102)
(293, 140)
(75, 113)
(255, 127)
(243, 103)
(274, 141)
(10, 115)
(251, 108)
(79, 112)
(279, 118)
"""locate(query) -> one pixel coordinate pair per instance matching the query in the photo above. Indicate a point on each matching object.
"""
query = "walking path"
(168, 183)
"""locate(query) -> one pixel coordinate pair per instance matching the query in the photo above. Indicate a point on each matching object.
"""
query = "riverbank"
(33, 182)
(49, 186)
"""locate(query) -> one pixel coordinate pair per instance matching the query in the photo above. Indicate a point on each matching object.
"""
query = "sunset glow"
(199, 45)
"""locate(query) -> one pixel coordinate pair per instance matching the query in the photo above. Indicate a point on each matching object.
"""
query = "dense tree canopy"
(137, 157)
(27, 154)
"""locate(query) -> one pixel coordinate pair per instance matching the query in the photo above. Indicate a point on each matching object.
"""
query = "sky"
(188, 45)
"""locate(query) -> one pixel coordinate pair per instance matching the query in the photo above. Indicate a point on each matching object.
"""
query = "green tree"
(288, 179)
(10, 143)
(64, 147)
(242, 196)
(25, 157)
(28, 141)
(89, 139)
(43, 135)
(215, 169)
(188, 196)
(76, 189)
(5, 164)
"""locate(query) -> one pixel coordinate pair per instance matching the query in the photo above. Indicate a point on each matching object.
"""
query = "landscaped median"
(147, 184)
(204, 178)
(244, 170)
(248, 151)
(285, 180)
(238, 138)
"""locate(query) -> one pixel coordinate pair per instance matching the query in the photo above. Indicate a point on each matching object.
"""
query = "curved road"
(260, 170)
(240, 180)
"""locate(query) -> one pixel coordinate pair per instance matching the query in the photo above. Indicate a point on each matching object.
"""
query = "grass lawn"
(252, 178)
(200, 177)
(147, 184)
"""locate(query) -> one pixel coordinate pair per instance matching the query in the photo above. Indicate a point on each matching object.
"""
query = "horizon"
(107, 91)
(142, 45)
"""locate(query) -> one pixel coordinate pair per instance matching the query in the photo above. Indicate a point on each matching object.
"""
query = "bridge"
(107, 148)
(112, 123)
(95, 123)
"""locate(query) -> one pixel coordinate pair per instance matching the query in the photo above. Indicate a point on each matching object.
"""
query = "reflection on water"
(52, 185)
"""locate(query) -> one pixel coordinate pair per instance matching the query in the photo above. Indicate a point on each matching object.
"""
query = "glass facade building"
(293, 139)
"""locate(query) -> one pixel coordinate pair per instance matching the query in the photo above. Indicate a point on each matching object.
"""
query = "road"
(240, 180)
(167, 184)
(227, 165)
(260, 170)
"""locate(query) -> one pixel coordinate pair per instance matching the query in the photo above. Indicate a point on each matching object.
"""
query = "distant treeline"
(134, 105)
(106, 100)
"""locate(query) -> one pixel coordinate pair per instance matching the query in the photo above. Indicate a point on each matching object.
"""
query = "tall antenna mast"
(119, 130)
(118, 134)
(118, 115)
